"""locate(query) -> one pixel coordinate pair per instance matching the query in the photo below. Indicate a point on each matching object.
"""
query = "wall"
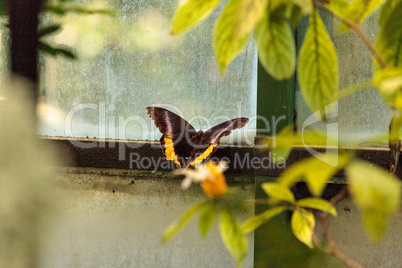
(96, 227)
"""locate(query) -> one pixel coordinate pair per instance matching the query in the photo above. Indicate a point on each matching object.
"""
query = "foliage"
(231, 232)
(376, 192)
(302, 221)
(61, 8)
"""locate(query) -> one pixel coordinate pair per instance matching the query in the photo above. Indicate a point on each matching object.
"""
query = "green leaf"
(254, 222)
(282, 144)
(317, 171)
(227, 43)
(300, 8)
(249, 14)
(389, 83)
(338, 7)
(395, 129)
(277, 191)
(354, 88)
(376, 193)
(59, 9)
(190, 13)
(386, 11)
(55, 51)
(55, 9)
(207, 218)
(51, 29)
(302, 224)
(388, 42)
(176, 226)
(305, 6)
(318, 67)
(359, 10)
(233, 236)
(3, 8)
(317, 203)
(276, 47)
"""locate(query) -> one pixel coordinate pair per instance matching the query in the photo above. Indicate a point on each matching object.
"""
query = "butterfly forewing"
(214, 134)
(177, 134)
(170, 124)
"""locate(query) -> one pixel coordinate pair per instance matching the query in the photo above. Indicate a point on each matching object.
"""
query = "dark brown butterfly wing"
(170, 124)
(210, 139)
(177, 134)
(214, 134)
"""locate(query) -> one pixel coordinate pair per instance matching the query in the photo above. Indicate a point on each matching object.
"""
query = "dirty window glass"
(129, 61)
(363, 114)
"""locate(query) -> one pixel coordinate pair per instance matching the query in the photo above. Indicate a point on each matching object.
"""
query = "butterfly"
(182, 144)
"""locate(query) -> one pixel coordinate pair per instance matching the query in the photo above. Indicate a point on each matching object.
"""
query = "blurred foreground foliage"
(376, 192)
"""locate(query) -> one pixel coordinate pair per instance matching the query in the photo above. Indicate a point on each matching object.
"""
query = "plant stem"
(356, 27)
(334, 250)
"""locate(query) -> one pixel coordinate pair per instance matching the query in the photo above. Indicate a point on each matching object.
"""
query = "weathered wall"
(350, 237)
(98, 228)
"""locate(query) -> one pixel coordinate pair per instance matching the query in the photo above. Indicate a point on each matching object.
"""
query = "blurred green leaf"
(207, 218)
(386, 11)
(50, 29)
(276, 47)
(233, 236)
(227, 43)
(176, 226)
(56, 51)
(300, 8)
(354, 88)
(55, 9)
(190, 13)
(317, 203)
(249, 14)
(317, 171)
(358, 10)
(338, 7)
(388, 42)
(302, 224)
(254, 222)
(376, 193)
(389, 83)
(59, 9)
(318, 67)
(277, 191)
(3, 8)
(305, 6)
(282, 144)
(395, 129)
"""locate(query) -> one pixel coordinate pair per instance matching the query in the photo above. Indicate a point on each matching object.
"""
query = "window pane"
(129, 61)
(364, 113)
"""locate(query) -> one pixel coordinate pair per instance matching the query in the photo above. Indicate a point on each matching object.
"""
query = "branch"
(334, 250)
(356, 27)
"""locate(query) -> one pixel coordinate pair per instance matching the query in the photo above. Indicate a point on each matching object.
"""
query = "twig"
(356, 27)
(334, 250)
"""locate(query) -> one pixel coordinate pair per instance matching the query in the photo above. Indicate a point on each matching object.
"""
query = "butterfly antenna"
(207, 118)
(199, 123)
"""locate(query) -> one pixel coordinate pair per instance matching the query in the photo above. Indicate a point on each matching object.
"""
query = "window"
(128, 62)
(363, 114)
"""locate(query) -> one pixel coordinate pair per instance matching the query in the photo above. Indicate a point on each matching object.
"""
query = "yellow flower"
(211, 177)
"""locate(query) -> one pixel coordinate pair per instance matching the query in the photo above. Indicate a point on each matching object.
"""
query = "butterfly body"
(182, 144)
